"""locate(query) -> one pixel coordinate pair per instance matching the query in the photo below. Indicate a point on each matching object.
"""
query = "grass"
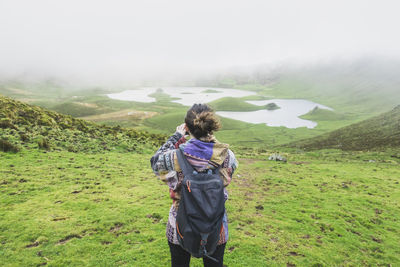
(166, 122)
(124, 118)
(162, 97)
(105, 207)
(27, 126)
(346, 95)
(76, 209)
(350, 105)
(377, 133)
(79, 109)
(233, 104)
(319, 114)
(211, 91)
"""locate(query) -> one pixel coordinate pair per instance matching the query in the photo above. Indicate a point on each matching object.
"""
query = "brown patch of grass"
(68, 238)
(34, 244)
(125, 114)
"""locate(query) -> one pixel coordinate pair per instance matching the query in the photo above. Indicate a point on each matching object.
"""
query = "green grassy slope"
(233, 104)
(318, 114)
(33, 91)
(382, 131)
(108, 209)
(77, 109)
(26, 126)
(361, 88)
(166, 122)
(355, 90)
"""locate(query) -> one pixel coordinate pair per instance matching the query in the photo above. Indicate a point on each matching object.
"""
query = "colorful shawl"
(203, 154)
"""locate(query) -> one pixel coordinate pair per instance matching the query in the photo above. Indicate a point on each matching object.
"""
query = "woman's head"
(201, 120)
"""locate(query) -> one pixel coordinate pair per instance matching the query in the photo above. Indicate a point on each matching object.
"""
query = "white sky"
(122, 39)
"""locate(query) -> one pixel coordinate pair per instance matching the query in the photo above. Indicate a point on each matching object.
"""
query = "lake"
(187, 95)
(287, 115)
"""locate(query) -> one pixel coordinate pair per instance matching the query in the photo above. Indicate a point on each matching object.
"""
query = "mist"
(122, 42)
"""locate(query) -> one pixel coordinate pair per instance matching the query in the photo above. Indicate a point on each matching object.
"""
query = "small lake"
(287, 115)
(187, 95)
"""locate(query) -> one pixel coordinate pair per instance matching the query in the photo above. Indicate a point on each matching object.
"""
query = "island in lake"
(272, 106)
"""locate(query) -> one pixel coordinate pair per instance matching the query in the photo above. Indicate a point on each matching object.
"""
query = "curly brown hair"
(201, 120)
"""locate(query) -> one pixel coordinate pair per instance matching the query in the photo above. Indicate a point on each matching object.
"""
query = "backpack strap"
(183, 163)
(203, 249)
(216, 171)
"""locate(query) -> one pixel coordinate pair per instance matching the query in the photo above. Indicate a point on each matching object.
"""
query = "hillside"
(108, 208)
(355, 91)
(379, 132)
(233, 104)
(79, 109)
(27, 126)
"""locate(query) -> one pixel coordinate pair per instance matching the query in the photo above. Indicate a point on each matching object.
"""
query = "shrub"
(6, 123)
(23, 137)
(6, 146)
(43, 143)
(71, 148)
(45, 121)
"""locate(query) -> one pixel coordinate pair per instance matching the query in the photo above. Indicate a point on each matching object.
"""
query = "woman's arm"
(162, 162)
(228, 167)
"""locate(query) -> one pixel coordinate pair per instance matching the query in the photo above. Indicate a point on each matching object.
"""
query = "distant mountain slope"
(382, 131)
(365, 86)
(27, 126)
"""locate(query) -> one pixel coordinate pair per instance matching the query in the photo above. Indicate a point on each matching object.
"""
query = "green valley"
(77, 188)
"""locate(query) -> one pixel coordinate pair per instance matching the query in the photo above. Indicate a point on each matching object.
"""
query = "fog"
(125, 41)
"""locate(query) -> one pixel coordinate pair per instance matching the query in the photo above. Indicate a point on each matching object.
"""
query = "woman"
(203, 152)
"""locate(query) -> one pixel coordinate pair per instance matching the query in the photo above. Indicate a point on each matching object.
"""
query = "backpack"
(201, 210)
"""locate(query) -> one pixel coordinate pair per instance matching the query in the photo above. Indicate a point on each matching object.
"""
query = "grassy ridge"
(27, 126)
(379, 132)
(233, 104)
(75, 209)
(77, 109)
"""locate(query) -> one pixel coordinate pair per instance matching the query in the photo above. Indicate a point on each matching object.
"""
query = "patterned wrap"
(206, 153)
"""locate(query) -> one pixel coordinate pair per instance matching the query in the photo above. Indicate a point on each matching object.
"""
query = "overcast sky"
(125, 39)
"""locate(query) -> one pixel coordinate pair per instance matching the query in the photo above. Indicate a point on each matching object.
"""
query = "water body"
(287, 115)
(187, 95)
(140, 95)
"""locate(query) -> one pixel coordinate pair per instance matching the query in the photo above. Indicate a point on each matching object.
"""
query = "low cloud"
(135, 40)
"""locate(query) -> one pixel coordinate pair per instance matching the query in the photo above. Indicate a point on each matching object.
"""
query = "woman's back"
(203, 152)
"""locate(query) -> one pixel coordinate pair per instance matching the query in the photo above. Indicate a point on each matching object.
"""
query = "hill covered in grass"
(233, 104)
(63, 208)
(27, 126)
(319, 114)
(379, 132)
(79, 109)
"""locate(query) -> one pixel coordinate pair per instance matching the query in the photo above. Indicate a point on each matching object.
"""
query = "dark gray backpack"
(201, 210)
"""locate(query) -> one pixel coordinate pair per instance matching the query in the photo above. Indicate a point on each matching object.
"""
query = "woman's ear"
(187, 129)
